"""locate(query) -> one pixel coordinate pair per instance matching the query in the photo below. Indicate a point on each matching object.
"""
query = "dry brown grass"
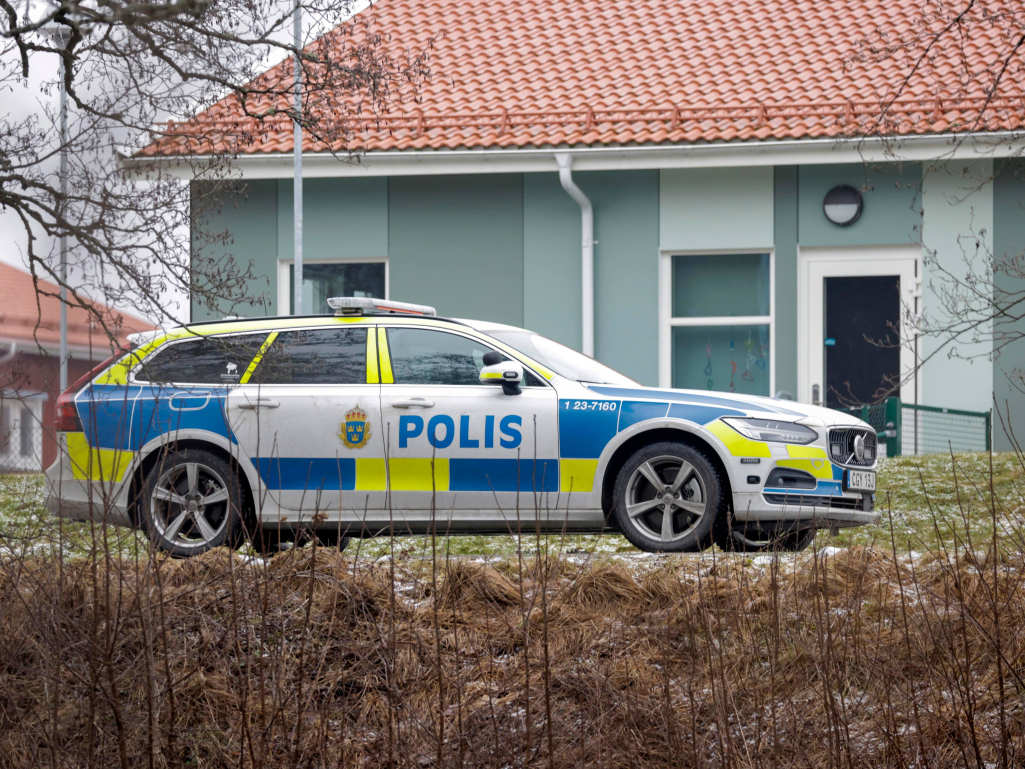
(856, 659)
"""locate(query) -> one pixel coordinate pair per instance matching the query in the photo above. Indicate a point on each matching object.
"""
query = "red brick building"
(30, 367)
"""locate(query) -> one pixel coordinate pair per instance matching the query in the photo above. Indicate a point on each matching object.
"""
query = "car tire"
(751, 537)
(268, 541)
(331, 538)
(668, 497)
(191, 503)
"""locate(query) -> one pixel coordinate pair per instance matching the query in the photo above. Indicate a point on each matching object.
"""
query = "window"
(315, 356)
(730, 358)
(720, 322)
(203, 360)
(324, 279)
(721, 285)
(420, 356)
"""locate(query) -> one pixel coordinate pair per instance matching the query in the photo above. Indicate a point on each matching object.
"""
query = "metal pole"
(918, 291)
(297, 155)
(63, 238)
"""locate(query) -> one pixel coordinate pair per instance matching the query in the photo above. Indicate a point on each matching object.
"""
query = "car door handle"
(259, 403)
(413, 403)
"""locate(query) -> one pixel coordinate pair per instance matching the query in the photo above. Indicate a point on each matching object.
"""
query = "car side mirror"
(507, 373)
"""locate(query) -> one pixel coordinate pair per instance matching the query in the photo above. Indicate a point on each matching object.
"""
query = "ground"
(886, 647)
(924, 501)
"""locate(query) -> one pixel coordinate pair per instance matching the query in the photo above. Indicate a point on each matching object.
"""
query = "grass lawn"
(929, 501)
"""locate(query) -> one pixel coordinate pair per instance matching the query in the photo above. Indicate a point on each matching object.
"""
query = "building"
(30, 363)
(708, 141)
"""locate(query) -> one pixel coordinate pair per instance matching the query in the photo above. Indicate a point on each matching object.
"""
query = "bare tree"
(132, 73)
(962, 65)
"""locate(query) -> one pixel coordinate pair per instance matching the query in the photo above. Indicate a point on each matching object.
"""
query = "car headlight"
(771, 430)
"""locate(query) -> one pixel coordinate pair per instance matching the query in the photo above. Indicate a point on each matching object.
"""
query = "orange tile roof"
(21, 320)
(531, 73)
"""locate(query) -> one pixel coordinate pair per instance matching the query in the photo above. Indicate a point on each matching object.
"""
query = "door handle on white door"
(411, 403)
(259, 403)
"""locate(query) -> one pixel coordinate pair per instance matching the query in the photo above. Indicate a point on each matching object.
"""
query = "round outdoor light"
(842, 205)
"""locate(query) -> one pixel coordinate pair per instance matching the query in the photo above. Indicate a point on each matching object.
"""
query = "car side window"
(315, 356)
(202, 360)
(425, 356)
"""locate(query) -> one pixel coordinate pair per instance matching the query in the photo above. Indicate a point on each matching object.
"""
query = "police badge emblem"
(355, 429)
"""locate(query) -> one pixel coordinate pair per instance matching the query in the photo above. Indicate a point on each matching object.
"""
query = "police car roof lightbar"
(365, 305)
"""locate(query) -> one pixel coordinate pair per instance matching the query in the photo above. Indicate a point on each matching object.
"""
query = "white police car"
(385, 418)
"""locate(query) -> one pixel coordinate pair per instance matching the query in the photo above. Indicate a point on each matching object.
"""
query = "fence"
(911, 428)
(21, 434)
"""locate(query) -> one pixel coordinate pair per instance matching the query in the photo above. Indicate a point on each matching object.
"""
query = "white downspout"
(10, 352)
(565, 163)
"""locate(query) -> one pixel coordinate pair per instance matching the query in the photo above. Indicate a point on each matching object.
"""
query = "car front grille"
(843, 443)
(864, 503)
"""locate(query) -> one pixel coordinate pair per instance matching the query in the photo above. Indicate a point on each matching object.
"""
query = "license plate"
(859, 480)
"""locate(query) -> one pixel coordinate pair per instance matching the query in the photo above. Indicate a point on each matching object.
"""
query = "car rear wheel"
(668, 497)
(757, 537)
(191, 503)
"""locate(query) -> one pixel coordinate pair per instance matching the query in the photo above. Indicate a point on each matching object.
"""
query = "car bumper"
(79, 499)
(823, 512)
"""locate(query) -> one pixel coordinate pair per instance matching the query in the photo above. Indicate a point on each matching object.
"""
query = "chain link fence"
(21, 433)
(911, 428)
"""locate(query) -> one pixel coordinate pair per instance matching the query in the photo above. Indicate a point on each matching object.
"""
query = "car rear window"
(202, 360)
(315, 356)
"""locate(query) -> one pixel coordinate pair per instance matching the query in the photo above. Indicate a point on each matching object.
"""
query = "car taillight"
(66, 419)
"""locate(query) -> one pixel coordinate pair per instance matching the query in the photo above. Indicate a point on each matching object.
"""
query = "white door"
(854, 331)
(310, 423)
(466, 450)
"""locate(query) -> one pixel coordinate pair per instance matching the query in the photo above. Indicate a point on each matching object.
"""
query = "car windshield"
(561, 359)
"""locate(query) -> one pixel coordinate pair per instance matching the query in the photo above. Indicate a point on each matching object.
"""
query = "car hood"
(735, 404)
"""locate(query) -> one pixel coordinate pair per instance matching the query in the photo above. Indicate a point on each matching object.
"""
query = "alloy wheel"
(666, 498)
(189, 505)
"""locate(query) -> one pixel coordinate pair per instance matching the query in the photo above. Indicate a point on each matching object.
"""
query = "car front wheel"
(191, 503)
(668, 497)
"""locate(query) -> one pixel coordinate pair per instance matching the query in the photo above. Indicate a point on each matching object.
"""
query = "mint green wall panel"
(551, 260)
(785, 205)
(716, 209)
(456, 242)
(893, 207)
(625, 265)
(234, 228)
(626, 269)
(1009, 245)
(342, 218)
(957, 228)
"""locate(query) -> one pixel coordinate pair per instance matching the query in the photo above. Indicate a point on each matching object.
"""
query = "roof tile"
(527, 73)
(31, 314)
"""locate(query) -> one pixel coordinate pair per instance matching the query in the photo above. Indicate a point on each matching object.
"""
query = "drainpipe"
(10, 352)
(565, 163)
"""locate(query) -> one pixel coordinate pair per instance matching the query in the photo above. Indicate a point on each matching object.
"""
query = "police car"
(384, 418)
